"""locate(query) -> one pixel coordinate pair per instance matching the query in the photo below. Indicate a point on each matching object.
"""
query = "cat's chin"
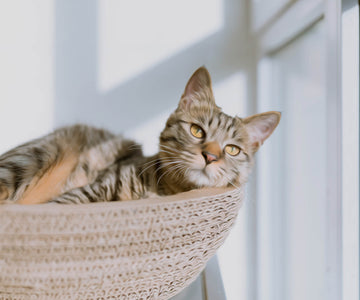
(200, 180)
(203, 178)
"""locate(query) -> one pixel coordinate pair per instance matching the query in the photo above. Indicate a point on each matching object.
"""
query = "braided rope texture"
(144, 249)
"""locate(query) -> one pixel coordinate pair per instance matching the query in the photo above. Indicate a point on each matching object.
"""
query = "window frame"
(297, 17)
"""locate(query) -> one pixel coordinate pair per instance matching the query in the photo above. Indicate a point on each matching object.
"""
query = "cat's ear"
(197, 89)
(260, 127)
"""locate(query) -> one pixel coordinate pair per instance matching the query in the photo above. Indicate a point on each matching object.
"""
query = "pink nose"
(209, 157)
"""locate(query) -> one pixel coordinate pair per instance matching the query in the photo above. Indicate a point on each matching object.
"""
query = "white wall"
(26, 70)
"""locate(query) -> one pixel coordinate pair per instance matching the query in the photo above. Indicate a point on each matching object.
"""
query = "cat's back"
(80, 136)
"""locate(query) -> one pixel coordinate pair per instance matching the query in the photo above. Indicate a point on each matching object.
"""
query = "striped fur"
(82, 164)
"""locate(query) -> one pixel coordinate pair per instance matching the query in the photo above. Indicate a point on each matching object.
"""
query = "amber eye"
(197, 131)
(232, 150)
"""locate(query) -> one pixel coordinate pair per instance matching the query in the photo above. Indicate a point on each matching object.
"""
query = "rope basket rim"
(193, 195)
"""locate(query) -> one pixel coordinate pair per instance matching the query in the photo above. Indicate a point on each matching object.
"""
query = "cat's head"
(201, 146)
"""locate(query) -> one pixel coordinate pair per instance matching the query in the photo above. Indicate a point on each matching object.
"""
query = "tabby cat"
(200, 146)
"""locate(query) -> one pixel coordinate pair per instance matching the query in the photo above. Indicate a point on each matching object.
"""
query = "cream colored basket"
(144, 249)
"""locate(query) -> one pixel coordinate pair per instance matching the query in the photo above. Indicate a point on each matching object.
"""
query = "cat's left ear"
(260, 127)
(197, 89)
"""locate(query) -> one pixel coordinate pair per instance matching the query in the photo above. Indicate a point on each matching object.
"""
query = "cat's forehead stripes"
(219, 126)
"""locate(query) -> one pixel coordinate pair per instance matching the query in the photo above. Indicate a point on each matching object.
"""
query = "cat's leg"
(115, 183)
(96, 159)
(101, 190)
(89, 193)
(20, 165)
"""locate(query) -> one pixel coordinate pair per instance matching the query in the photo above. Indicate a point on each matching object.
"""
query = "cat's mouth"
(202, 174)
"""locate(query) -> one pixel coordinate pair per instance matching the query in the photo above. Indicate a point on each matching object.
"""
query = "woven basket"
(144, 249)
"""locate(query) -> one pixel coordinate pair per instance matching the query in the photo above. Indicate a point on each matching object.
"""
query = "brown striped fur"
(81, 164)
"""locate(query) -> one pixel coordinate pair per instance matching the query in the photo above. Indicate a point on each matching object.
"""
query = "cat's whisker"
(182, 155)
(171, 151)
(152, 164)
(161, 159)
(165, 151)
(134, 146)
(177, 172)
(167, 171)
(184, 170)
(148, 167)
(172, 162)
(168, 152)
(169, 148)
(179, 155)
(159, 168)
(179, 163)
(163, 165)
(222, 173)
(158, 159)
(169, 164)
(230, 181)
(161, 176)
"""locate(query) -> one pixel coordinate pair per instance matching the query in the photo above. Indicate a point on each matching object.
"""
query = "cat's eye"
(232, 150)
(197, 131)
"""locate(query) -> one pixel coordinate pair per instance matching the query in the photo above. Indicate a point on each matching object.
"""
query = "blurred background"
(123, 65)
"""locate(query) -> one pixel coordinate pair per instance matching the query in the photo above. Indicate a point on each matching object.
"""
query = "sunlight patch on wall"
(134, 36)
(26, 73)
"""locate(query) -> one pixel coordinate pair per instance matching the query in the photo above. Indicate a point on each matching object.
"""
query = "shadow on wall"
(156, 89)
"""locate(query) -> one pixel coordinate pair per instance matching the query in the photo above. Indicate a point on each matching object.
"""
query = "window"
(307, 181)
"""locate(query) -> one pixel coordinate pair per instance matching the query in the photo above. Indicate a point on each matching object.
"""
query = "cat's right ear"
(197, 89)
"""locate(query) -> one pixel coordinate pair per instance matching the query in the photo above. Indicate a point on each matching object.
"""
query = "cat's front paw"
(150, 195)
(67, 198)
(60, 200)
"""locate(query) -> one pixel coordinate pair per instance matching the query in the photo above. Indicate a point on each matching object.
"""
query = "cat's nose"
(209, 157)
